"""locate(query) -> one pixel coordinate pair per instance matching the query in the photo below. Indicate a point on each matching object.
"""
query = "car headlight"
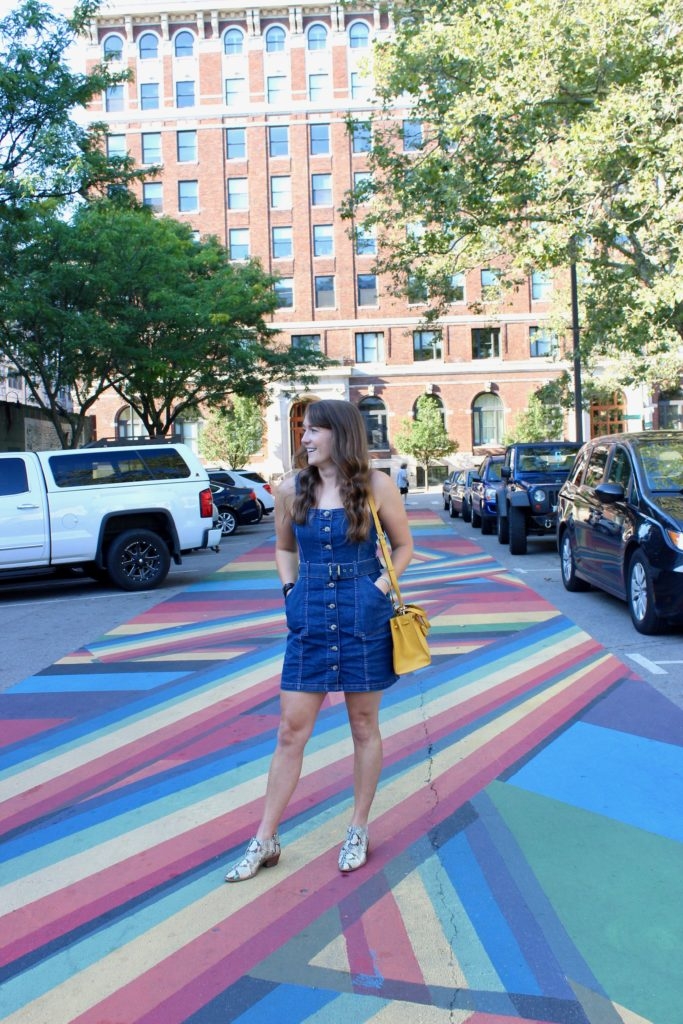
(538, 496)
(489, 493)
(675, 538)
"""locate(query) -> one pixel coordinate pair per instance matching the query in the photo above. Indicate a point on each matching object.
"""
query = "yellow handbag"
(409, 623)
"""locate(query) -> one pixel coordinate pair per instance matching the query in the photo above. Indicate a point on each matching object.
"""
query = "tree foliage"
(45, 153)
(552, 132)
(119, 298)
(233, 434)
(538, 422)
(425, 437)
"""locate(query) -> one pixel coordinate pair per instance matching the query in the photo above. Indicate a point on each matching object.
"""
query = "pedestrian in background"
(338, 607)
(402, 481)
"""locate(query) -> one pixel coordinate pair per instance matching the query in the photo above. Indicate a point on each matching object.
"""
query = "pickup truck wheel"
(138, 560)
(227, 520)
(503, 529)
(641, 598)
(517, 531)
(571, 581)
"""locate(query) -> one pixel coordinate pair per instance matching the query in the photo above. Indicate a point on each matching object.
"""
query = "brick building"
(245, 110)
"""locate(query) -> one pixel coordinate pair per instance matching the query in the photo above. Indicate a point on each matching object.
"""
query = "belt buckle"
(333, 565)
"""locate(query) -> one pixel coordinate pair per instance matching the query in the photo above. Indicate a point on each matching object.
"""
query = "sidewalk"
(527, 837)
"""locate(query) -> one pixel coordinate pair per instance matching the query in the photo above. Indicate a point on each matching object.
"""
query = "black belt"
(340, 570)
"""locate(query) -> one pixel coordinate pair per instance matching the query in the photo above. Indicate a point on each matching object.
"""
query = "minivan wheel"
(641, 601)
(568, 566)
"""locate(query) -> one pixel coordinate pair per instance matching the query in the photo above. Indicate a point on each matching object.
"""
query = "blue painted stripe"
(97, 681)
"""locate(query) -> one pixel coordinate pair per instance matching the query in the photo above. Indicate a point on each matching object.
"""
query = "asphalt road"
(44, 620)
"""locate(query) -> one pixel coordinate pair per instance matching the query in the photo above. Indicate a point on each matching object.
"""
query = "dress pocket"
(296, 608)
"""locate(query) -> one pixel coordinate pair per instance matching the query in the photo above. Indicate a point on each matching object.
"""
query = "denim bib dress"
(339, 638)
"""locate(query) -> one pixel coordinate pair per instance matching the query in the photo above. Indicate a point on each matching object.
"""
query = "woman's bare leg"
(298, 713)
(363, 712)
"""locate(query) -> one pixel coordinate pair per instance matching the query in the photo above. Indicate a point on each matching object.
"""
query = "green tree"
(551, 134)
(538, 422)
(44, 151)
(425, 437)
(234, 433)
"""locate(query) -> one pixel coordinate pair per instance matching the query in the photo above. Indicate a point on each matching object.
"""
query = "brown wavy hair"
(350, 456)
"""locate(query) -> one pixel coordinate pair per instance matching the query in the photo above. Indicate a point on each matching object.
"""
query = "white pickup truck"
(120, 513)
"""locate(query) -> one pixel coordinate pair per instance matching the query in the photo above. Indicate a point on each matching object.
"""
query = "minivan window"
(620, 469)
(596, 466)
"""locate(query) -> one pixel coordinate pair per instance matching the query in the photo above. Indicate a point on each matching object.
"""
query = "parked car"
(460, 498)
(446, 489)
(620, 523)
(236, 506)
(246, 478)
(533, 473)
(484, 489)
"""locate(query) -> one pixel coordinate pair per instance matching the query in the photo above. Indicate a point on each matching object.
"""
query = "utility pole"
(576, 354)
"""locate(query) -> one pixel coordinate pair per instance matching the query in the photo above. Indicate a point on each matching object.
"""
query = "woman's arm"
(286, 555)
(394, 519)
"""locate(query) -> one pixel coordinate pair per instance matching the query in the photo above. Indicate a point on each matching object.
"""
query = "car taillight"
(267, 487)
(252, 495)
(206, 503)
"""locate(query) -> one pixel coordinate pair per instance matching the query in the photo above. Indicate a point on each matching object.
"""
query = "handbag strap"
(393, 579)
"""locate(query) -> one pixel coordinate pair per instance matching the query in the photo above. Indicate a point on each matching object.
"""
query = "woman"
(338, 608)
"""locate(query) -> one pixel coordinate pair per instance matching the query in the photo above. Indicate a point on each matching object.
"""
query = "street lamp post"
(576, 354)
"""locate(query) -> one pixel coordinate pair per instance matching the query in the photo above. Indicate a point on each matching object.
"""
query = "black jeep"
(532, 475)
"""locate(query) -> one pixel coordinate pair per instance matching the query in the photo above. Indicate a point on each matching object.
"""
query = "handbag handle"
(393, 579)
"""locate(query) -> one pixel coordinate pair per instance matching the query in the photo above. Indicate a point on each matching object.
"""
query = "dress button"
(332, 605)
(334, 647)
(326, 529)
(331, 585)
(335, 668)
(326, 514)
(333, 626)
(328, 547)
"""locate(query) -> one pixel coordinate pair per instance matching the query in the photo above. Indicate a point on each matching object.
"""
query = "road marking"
(652, 666)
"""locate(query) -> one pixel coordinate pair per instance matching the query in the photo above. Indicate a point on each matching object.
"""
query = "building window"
(488, 426)
(669, 410)
(278, 140)
(235, 143)
(541, 286)
(116, 146)
(238, 194)
(321, 189)
(316, 38)
(275, 39)
(369, 347)
(233, 41)
(184, 94)
(490, 284)
(412, 135)
(319, 139)
(152, 195)
(374, 413)
(366, 289)
(486, 342)
(542, 342)
(282, 243)
(151, 147)
(318, 86)
(362, 186)
(456, 288)
(361, 137)
(323, 240)
(148, 46)
(149, 96)
(238, 243)
(188, 196)
(186, 145)
(359, 86)
(608, 416)
(284, 291)
(417, 291)
(426, 345)
(310, 341)
(359, 35)
(183, 44)
(113, 48)
(281, 192)
(324, 291)
(235, 91)
(276, 88)
(113, 98)
(366, 242)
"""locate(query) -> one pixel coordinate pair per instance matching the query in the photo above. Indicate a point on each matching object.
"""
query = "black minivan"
(620, 523)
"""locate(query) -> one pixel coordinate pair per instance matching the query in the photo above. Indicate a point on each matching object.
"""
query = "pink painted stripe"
(16, 729)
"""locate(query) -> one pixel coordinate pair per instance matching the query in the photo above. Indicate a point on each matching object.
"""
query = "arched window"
(148, 46)
(233, 41)
(275, 39)
(437, 402)
(316, 38)
(113, 48)
(129, 424)
(488, 424)
(359, 35)
(374, 413)
(608, 415)
(183, 44)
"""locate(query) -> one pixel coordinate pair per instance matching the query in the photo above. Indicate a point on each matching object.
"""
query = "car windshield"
(558, 459)
(662, 461)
